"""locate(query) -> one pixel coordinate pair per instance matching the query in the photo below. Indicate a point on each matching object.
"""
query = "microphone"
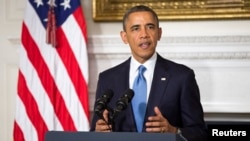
(102, 102)
(123, 102)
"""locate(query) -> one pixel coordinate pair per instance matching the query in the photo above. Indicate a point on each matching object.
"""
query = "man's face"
(142, 34)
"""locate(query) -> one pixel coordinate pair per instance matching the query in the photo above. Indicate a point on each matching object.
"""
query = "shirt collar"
(149, 64)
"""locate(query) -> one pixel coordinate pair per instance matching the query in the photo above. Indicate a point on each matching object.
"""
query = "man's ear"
(123, 35)
(159, 33)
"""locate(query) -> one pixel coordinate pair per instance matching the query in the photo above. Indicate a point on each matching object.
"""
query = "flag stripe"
(18, 132)
(28, 130)
(79, 17)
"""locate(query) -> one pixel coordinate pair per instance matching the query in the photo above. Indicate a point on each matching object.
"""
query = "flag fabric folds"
(52, 92)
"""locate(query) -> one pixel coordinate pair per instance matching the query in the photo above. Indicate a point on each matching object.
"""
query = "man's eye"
(135, 28)
(150, 27)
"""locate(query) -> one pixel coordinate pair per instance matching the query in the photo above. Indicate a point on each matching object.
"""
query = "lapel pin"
(163, 79)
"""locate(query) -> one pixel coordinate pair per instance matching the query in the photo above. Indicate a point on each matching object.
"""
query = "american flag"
(52, 92)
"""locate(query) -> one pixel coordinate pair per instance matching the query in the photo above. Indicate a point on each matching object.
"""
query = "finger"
(157, 130)
(105, 115)
(153, 124)
(154, 118)
(158, 116)
(101, 122)
(157, 111)
(102, 126)
(154, 130)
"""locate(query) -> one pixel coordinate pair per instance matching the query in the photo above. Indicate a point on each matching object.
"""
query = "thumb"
(105, 114)
(157, 111)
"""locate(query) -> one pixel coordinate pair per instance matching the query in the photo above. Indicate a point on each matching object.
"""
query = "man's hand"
(158, 123)
(102, 125)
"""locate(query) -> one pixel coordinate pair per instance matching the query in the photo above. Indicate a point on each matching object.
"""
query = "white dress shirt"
(148, 74)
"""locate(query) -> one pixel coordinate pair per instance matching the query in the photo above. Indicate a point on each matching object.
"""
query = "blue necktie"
(139, 99)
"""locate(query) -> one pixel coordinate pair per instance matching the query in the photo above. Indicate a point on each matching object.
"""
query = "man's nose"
(144, 33)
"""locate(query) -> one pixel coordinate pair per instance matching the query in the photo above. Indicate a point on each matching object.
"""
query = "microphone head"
(102, 102)
(122, 103)
(108, 94)
(129, 94)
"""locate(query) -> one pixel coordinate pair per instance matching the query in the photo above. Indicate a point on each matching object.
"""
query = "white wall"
(218, 51)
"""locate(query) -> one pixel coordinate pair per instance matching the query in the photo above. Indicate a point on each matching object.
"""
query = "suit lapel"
(124, 75)
(159, 84)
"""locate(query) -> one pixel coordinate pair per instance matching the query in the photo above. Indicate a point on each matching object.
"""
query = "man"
(171, 91)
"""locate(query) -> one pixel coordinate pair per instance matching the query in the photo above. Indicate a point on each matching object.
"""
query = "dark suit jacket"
(174, 90)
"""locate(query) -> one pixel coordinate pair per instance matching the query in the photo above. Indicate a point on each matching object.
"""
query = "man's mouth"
(144, 44)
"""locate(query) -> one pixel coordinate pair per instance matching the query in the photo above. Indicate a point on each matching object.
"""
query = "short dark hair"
(138, 8)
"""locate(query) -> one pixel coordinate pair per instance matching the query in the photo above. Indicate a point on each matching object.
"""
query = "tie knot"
(142, 69)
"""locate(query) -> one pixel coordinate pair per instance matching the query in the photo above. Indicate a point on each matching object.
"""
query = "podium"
(110, 136)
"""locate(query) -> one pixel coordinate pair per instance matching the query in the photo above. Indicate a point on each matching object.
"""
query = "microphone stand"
(111, 118)
(121, 104)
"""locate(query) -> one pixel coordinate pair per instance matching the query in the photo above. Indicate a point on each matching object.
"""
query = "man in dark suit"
(172, 94)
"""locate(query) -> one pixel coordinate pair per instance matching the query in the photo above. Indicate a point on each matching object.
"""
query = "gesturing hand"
(158, 123)
(102, 125)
